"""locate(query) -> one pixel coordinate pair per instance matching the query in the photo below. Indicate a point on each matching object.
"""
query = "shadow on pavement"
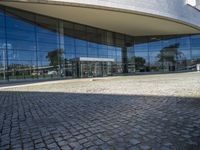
(36, 120)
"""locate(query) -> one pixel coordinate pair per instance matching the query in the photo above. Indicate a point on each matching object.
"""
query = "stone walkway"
(153, 112)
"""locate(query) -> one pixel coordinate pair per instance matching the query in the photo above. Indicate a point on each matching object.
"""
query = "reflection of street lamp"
(4, 47)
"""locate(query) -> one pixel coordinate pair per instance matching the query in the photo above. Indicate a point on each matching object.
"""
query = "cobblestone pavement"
(152, 112)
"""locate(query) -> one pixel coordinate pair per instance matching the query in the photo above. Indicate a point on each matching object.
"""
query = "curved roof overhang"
(108, 18)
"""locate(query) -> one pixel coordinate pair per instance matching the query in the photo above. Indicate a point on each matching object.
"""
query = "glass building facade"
(34, 46)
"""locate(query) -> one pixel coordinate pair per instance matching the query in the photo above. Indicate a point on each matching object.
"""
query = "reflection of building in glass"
(35, 46)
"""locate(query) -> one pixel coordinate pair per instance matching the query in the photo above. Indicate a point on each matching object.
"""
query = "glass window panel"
(130, 49)
(2, 43)
(101, 46)
(184, 43)
(141, 47)
(195, 42)
(111, 38)
(68, 29)
(47, 30)
(169, 41)
(155, 44)
(119, 36)
(14, 64)
(47, 47)
(92, 45)
(21, 45)
(22, 70)
(53, 57)
(119, 59)
(68, 25)
(93, 52)
(112, 53)
(140, 44)
(141, 61)
(119, 54)
(47, 38)
(183, 54)
(20, 35)
(169, 53)
(19, 20)
(119, 42)
(111, 48)
(195, 54)
(69, 56)
(43, 56)
(2, 18)
(2, 69)
(91, 30)
(103, 53)
(131, 55)
(47, 35)
(81, 50)
(154, 57)
(43, 64)
(69, 41)
(2, 32)
(46, 25)
(155, 61)
(81, 43)
(129, 40)
(118, 51)
(80, 27)
(46, 70)
(21, 55)
(2, 55)
(79, 34)
(81, 55)
(101, 36)
(92, 49)
(22, 63)
(70, 49)
(1, 11)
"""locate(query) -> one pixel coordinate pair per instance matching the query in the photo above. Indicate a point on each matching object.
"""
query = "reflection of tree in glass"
(55, 57)
(169, 53)
(139, 62)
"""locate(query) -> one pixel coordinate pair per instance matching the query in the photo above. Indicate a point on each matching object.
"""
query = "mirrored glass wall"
(34, 47)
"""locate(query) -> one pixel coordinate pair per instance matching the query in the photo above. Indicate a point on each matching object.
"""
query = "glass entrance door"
(92, 69)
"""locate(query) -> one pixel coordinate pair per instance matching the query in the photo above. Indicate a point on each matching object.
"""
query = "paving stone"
(165, 148)
(145, 147)
(134, 141)
(158, 112)
(65, 147)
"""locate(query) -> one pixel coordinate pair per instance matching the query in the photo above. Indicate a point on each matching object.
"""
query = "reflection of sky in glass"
(24, 38)
(18, 24)
(195, 42)
(196, 54)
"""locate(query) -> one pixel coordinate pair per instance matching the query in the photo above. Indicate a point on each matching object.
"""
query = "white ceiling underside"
(118, 21)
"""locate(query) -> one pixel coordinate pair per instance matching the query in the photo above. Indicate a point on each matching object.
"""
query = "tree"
(55, 57)
(169, 54)
(139, 62)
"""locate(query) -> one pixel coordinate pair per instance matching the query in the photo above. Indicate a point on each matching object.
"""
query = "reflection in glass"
(168, 56)
(34, 46)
